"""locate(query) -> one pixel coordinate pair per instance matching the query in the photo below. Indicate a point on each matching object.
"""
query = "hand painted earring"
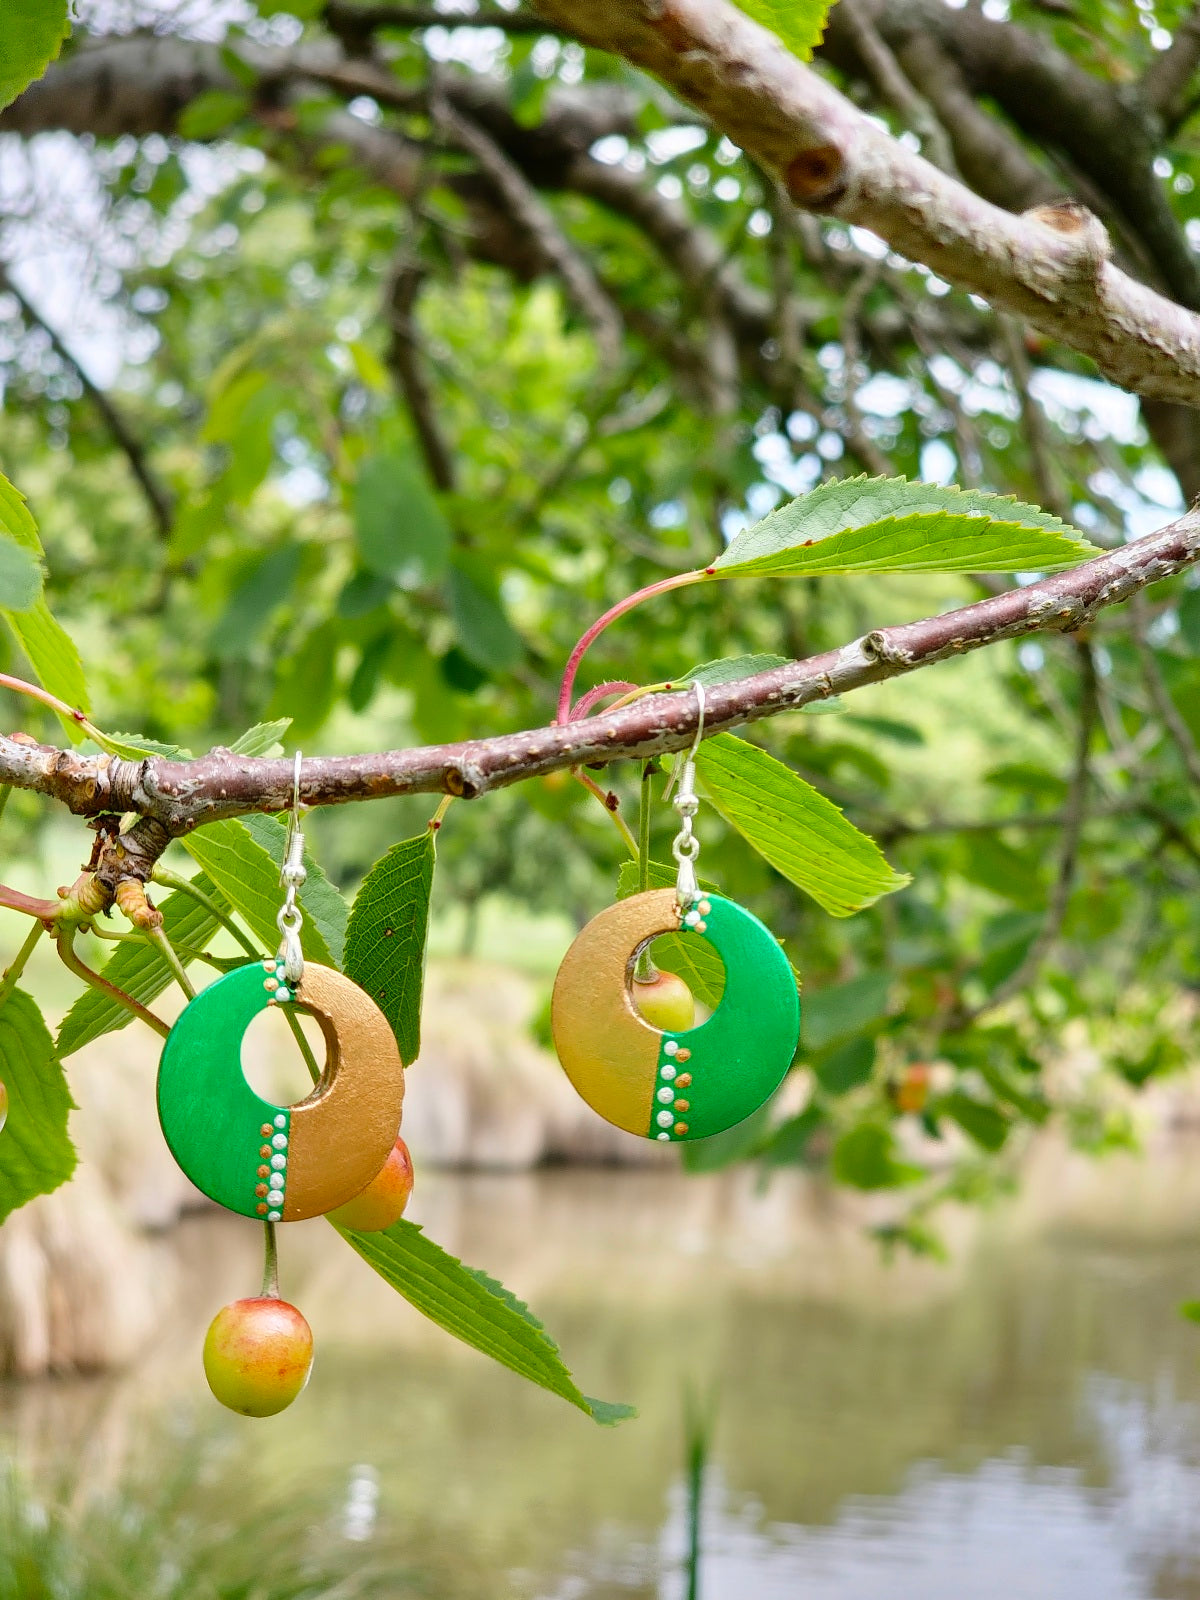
(676, 1085)
(281, 1163)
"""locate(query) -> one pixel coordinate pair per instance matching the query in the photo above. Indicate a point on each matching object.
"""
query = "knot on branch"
(1085, 245)
(464, 781)
(128, 783)
(816, 178)
(130, 855)
(876, 646)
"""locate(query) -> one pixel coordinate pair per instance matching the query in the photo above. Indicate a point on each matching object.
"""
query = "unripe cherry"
(383, 1201)
(665, 1001)
(258, 1355)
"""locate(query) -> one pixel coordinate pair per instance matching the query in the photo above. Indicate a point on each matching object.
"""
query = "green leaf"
(139, 969)
(476, 1309)
(212, 113)
(20, 577)
(803, 836)
(689, 957)
(135, 746)
(267, 584)
(843, 1011)
(31, 35)
(242, 856)
(799, 23)
(263, 739)
(53, 657)
(788, 1144)
(402, 531)
(848, 1067)
(980, 1121)
(865, 1158)
(385, 936)
(1189, 620)
(485, 634)
(730, 668)
(1191, 1310)
(887, 728)
(891, 525)
(36, 1154)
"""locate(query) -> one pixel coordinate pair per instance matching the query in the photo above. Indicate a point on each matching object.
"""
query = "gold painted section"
(342, 1134)
(608, 1050)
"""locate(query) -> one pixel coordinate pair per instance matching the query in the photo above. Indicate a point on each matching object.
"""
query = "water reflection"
(1025, 1423)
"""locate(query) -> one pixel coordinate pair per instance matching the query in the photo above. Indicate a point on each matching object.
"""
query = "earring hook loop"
(292, 875)
(686, 765)
(686, 847)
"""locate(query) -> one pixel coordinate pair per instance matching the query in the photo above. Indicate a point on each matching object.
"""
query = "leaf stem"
(644, 970)
(174, 880)
(166, 949)
(14, 900)
(15, 968)
(65, 942)
(619, 822)
(270, 1282)
(310, 1061)
(679, 580)
(36, 692)
(439, 816)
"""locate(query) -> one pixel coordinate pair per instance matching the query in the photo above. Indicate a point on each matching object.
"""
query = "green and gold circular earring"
(678, 1084)
(274, 1162)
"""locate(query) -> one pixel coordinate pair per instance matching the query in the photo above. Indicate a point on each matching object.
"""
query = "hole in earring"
(272, 1063)
(676, 981)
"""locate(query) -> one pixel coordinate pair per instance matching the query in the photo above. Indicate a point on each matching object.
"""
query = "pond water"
(1021, 1423)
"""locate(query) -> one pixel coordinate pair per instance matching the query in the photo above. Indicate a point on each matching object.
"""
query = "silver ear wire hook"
(292, 875)
(681, 765)
(686, 847)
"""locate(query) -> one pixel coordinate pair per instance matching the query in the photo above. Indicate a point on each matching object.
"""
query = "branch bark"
(1051, 267)
(157, 498)
(176, 797)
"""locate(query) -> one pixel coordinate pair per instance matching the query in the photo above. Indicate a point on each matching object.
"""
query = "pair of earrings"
(676, 1085)
(282, 1163)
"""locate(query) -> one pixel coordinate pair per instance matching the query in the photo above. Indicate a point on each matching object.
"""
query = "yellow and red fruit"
(384, 1199)
(665, 1001)
(258, 1355)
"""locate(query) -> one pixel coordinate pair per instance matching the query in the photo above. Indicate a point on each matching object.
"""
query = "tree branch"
(1160, 695)
(174, 797)
(1165, 81)
(532, 214)
(1075, 811)
(1050, 268)
(351, 21)
(157, 497)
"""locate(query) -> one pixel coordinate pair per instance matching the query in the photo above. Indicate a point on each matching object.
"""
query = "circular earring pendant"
(280, 1163)
(685, 1085)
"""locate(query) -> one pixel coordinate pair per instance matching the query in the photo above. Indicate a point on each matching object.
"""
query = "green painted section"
(211, 1117)
(742, 1053)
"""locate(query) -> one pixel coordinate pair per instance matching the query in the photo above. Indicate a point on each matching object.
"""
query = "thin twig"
(611, 804)
(17, 965)
(165, 949)
(534, 217)
(174, 880)
(1169, 712)
(1074, 813)
(173, 797)
(65, 942)
(157, 497)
